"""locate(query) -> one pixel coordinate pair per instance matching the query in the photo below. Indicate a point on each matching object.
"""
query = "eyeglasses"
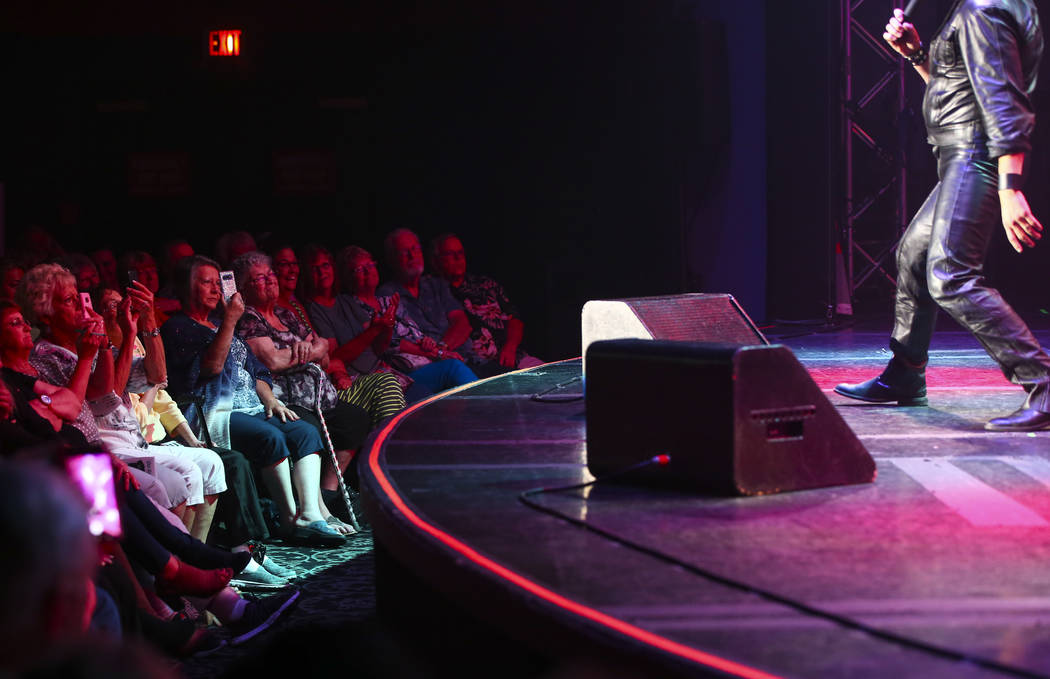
(18, 323)
(323, 266)
(262, 278)
(286, 265)
(367, 266)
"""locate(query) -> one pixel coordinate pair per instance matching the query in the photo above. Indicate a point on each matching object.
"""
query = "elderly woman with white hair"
(297, 357)
(49, 299)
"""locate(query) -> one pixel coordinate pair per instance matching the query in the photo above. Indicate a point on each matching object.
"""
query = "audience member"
(84, 270)
(428, 300)
(363, 331)
(286, 266)
(296, 357)
(232, 245)
(139, 265)
(240, 410)
(46, 595)
(106, 262)
(37, 245)
(174, 250)
(497, 329)
(380, 393)
(11, 273)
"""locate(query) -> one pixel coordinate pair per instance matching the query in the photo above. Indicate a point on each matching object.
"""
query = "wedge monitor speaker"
(735, 419)
(697, 317)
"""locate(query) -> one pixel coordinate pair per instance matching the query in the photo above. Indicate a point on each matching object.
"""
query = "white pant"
(197, 471)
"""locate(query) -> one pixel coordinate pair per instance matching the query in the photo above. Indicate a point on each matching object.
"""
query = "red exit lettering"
(224, 43)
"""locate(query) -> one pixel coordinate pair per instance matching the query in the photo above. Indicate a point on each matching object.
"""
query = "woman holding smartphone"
(207, 361)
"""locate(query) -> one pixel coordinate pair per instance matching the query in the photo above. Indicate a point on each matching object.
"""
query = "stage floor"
(948, 549)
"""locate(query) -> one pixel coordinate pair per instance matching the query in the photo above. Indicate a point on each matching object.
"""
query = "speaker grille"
(697, 318)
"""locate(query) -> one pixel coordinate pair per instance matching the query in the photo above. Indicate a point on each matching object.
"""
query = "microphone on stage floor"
(909, 10)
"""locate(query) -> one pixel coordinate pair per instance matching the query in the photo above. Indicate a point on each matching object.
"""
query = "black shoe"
(877, 391)
(1022, 419)
(261, 614)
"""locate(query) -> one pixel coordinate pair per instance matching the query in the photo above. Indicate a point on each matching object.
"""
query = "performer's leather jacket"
(983, 68)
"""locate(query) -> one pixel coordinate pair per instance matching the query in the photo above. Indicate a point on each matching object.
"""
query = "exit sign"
(224, 43)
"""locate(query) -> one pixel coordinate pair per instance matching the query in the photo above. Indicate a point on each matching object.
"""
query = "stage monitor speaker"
(736, 420)
(695, 317)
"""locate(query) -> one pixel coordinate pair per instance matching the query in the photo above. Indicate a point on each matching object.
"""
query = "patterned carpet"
(338, 590)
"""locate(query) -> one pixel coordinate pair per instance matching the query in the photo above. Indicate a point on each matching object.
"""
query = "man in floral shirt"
(496, 328)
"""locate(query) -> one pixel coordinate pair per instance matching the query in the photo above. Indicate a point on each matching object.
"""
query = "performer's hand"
(1022, 228)
(901, 35)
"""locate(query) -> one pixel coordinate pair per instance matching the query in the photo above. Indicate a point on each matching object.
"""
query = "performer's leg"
(915, 311)
(967, 218)
(904, 379)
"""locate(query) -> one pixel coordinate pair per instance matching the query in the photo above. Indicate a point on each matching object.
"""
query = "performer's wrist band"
(1011, 180)
(919, 56)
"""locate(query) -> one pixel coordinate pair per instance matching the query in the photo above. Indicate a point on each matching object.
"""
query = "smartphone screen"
(229, 285)
(93, 475)
(85, 304)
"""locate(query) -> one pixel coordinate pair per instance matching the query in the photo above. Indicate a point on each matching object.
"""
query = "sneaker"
(260, 615)
(274, 568)
(260, 578)
(258, 552)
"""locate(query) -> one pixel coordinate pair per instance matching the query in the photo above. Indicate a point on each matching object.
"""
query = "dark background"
(592, 149)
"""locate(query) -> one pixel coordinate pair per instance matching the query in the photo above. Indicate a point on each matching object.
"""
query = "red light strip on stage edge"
(645, 636)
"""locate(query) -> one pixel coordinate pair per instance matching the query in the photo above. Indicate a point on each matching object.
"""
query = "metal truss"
(872, 187)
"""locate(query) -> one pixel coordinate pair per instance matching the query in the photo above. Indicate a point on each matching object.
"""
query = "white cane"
(319, 375)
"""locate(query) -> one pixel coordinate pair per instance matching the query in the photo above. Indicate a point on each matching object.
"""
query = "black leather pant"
(940, 263)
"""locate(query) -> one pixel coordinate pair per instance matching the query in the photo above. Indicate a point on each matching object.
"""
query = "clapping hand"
(388, 318)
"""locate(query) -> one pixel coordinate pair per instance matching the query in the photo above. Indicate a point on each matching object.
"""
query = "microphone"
(909, 11)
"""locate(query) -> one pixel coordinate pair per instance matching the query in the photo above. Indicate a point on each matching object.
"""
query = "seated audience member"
(56, 406)
(296, 357)
(363, 331)
(286, 266)
(11, 273)
(37, 245)
(232, 245)
(174, 250)
(84, 270)
(106, 263)
(46, 595)
(381, 394)
(49, 298)
(497, 327)
(240, 411)
(428, 300)
(140, 265)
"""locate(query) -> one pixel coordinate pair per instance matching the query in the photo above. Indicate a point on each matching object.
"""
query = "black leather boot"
(899, 382)
(1032, 416)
